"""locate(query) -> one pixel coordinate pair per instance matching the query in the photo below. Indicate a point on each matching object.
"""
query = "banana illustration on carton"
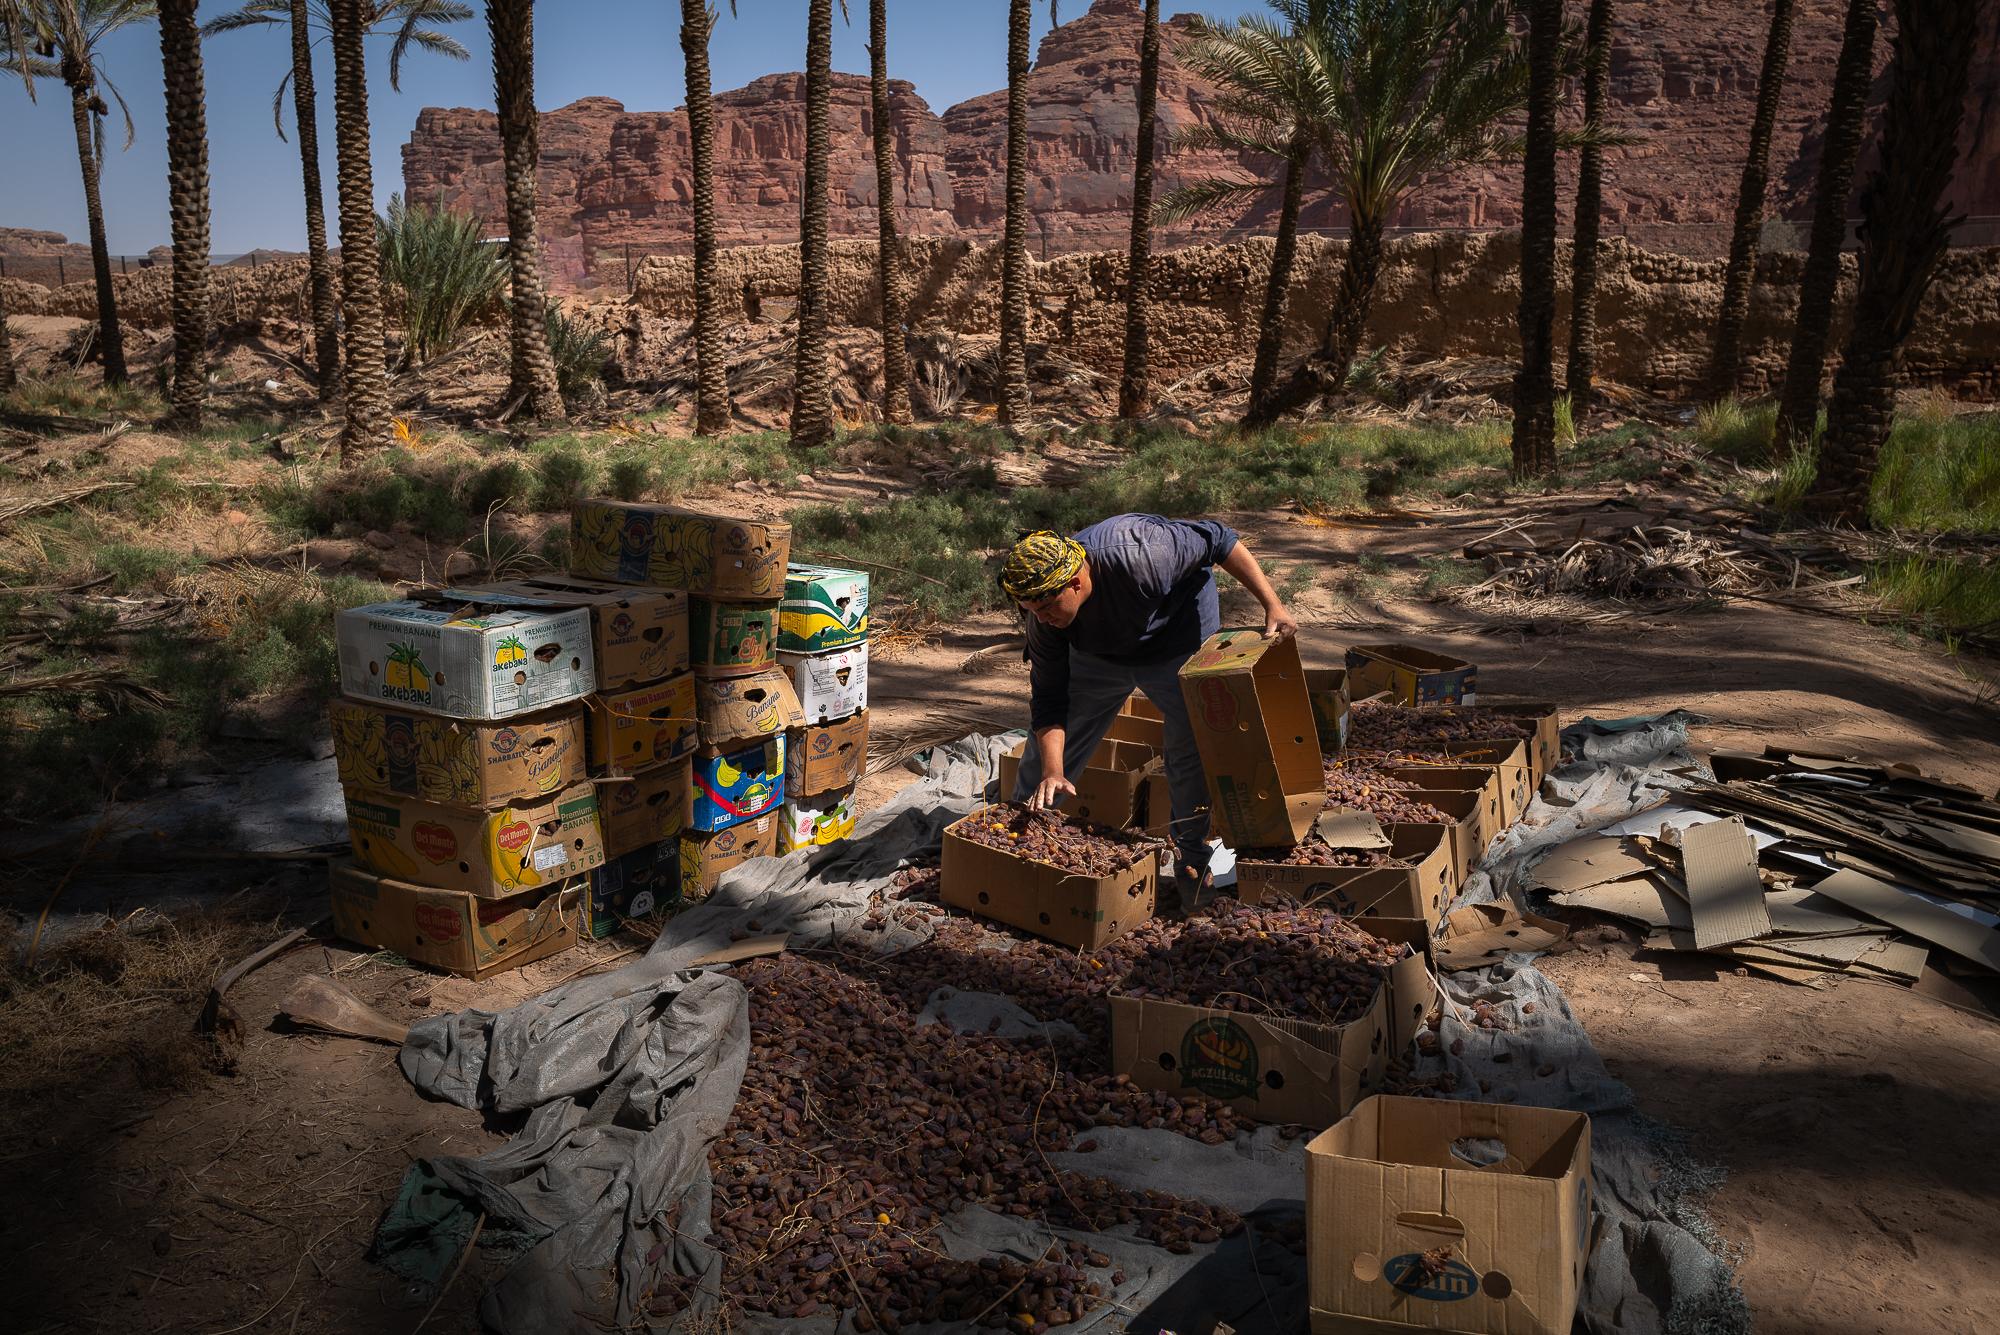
(510, 844)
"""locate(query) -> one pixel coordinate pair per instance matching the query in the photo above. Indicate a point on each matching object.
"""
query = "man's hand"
(1049, 791)
(1278, 623)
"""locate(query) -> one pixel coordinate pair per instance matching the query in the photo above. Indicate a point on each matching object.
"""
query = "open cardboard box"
(459, 933)
(1518, 783)
(467, 762)
(1399, 1177)
(722, 556)
(647, 808)
(1418, 890)
(1332, 708)
(1482, 781)
(1545, 742)
(637, 634)
(1109, 789)
(641, 727)
(1253, 723)
(1042, 899)
(1411, 675)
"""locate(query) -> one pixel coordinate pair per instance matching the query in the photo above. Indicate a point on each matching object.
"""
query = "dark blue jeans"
(1096, 690)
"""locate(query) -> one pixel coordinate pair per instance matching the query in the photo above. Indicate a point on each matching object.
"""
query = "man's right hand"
(1049, 791)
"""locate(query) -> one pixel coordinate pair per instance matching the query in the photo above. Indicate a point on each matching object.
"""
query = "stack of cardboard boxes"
(823, 648)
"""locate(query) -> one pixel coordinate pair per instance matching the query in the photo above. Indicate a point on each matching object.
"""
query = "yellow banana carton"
(720, 556)
(465, 762)
(642, 727)
(813, 820)
(485, 853)
(647, 808)
(636, 634)
(469, 935)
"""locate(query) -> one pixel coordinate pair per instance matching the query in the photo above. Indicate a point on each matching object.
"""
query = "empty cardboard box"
(641, 883)
(486, 853)
(1327, 688)
(719, 556)
(636, 634)
(1108, 790)
(737, 781)
(646, 808)
(826, 607)
(741, 709)
(467, 762)
(1253, 722)
(815, 819)
(1074, 910)
(824, 756)
(642, 727)
(1411, 675)
(704, 857)
(729, 639)
(831, 685)
(445, 654)
(468, 935)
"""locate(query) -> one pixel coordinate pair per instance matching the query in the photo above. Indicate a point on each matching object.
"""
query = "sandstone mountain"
(1684, 78)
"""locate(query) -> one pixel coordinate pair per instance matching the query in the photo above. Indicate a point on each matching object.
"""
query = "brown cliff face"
(1684, 76)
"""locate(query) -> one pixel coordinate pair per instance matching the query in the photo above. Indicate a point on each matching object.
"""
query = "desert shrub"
(448, 276)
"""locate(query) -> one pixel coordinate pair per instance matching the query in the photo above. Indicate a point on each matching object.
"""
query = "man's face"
(1059, 608)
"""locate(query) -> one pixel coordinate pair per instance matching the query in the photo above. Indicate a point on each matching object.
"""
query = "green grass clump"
(448, 276)
(1448, 572)
(1732, 430)
(1942, 597)
(580, 352)
(1940, 472)
(82, 396)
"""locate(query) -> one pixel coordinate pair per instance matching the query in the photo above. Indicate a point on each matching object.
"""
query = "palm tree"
(1579, 379)
(888, 256)
(1798, 399)
(7, 380)
(1134, 393)
(711, 394)
(15, 43)
(309, 21)
(63, 43)
(1418, 87)
(1904, 230)
(367, 426)
(187, 205)
(1741, 274)
(1014, 402)
(812, 381)
(1534, 383)
(532, 377)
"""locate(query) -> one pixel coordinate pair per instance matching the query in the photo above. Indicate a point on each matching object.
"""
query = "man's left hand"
(1278, 623)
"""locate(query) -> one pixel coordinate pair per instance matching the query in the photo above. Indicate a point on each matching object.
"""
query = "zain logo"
(1409, 1274)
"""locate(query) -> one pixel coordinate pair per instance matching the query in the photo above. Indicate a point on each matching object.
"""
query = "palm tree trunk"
(711, 380)
(367, 425)
(1534, 383)
(1582, 374)
(1742, 272)
(1904, 230)
(324, 302)
(888, 251)
(532, 375)
(1798, 401)
(1014, 402)
(187, 205)
(1277, 287)
(1134, 391)
(110, 338)
(812, 388)
(7, 380)
(1324, 374)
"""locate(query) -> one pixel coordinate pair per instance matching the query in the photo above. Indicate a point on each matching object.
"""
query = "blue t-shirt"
(1152, 598)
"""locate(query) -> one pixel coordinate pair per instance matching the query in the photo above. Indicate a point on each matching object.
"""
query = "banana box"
(642, 883)
(721, 556)
(465, 656)
(825, 608)
(737, 782)
(646, 808)
(642, 727)
(742, 709)
(704, 857)
(637, 634)
(816, 819)
(729, 639)
(459, 933)
(830, 685)
(826, 756)
(485, 853)
(466, 762)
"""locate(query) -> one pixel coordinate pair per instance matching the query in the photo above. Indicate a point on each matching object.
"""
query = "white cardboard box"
(463, 658)
(830, 685)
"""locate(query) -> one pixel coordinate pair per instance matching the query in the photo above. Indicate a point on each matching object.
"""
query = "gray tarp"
(626, 1077)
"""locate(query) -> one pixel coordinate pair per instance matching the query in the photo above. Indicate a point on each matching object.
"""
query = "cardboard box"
(1271, 1069)
(831, 685)
(721, 556)
(737, 781)
(1413, 991)
(468, 762)
(1108, 790)
(1331, 706)
(1466, 830)
(642, 727)
(825, 756)
(704, 857)
(642, 883)
(1138, 706)
(1418, 890)
(1145, 731)
(648, 808)
(466, 659)
(1411, 675)
(729, 639)
(740, 709)
(1481, 780)
(468, 935)
(1545, 742)
(1509, 760)
(815, 819)
(1385, 1185)
(486, 853)
(636, 634)
(1042, 899)
(825, 608)
(1246, 699)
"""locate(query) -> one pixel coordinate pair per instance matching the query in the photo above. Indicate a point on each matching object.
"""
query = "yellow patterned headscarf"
(1040, 564)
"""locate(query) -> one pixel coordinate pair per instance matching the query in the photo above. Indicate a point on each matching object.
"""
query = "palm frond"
(1199, 197)
(257, 13)
(278, 106)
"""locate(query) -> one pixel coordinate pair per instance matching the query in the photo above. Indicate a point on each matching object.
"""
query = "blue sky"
(626, 49)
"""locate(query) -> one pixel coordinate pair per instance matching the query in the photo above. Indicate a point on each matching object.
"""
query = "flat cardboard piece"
(1641, 899)
(825, 607)
(1411, 675)
(735, 782)
(1347, 827)
(732, 709)
(641, 727)
(704, 857)
(1418, 889)
(815, 820)
(1725, 893)
(1044, 900)
(466, 762)
(1919, 917)
(450, 930)
(1269, 1069)
(1802, 913)
(647, 808)
(1836, 951)
(1591, 860)
(1109, 789)
(1253, 724)
(824, 756)
(729, 639)
(636, 634)
(1386, 1184)
(749, 948)
(478, 660)
(1482, 934)
(1332, 708)
(1898, 959)
(722, 556)
(490, 854)
(640, 883)
(830, 685)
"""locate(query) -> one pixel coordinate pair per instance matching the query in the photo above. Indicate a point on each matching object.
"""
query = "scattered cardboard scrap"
(1593, 860)
(749, 948)
(1640, 899)
(1482, 934)
(1348, 827)
(1725, 894)
(1917, 916)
